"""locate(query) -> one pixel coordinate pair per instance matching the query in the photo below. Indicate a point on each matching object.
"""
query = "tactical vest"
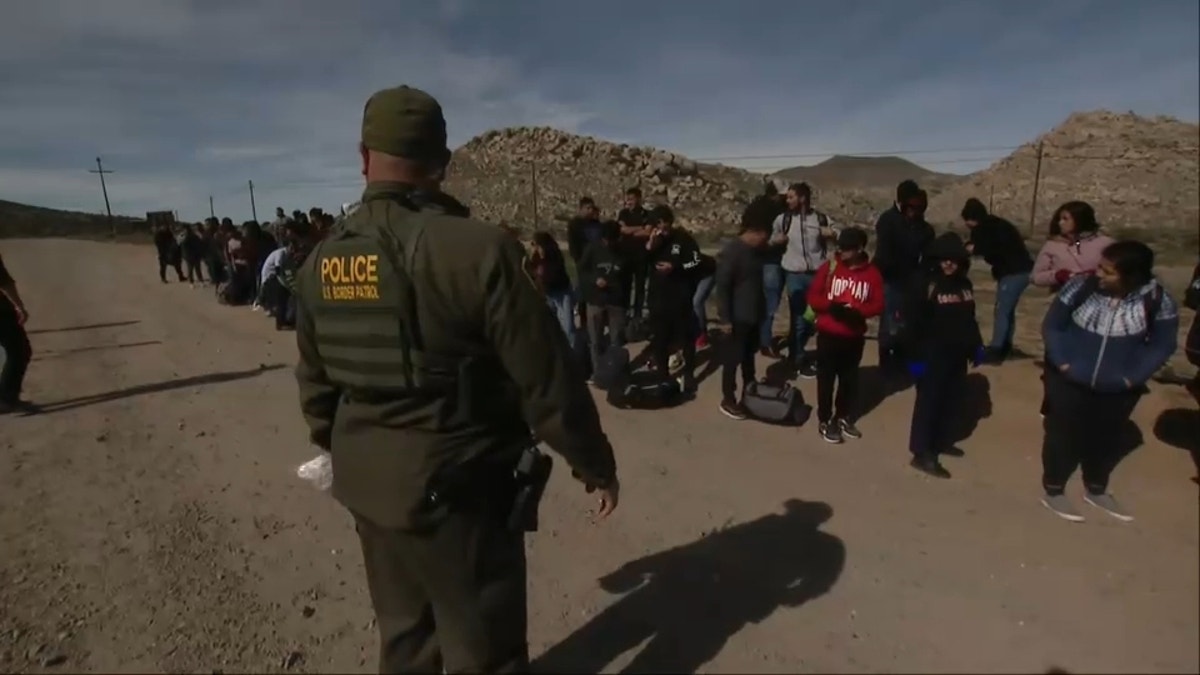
(364, 310)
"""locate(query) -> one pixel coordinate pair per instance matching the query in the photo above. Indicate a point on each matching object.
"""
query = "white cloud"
(186, 99)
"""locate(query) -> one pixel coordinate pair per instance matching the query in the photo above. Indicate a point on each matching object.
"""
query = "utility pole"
(253, 210)
(533, 175)
(1037, 179)
(991, 198)
(112, 224)
(211, 212)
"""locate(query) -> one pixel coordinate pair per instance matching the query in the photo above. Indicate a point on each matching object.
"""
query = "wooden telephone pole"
(112, 224)
(253, 209)
(211, 212)
(1037, 179)
(533, 175)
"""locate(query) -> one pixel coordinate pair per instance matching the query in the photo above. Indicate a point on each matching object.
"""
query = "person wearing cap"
(426, 359)
(941, 337)
(847, 291)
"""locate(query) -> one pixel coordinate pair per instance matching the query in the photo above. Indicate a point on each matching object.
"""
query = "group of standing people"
(1111, 326)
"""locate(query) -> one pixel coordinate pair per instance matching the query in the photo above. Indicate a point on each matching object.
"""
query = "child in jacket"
(943, 337)
(845, 292)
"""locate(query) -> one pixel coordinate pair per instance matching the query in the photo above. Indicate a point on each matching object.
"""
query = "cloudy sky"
(187, 99)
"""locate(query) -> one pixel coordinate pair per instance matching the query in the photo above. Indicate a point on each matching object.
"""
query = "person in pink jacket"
(1073, 248)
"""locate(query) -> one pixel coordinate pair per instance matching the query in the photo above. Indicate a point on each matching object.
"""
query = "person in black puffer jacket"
(901, 236)
(1191, 345)
(941, 337)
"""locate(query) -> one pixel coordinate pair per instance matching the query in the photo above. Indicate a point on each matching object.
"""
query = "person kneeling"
(943, 337)
(846, 292)
(741, 308)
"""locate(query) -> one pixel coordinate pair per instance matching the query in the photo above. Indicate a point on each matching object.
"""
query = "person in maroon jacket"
(846, 292)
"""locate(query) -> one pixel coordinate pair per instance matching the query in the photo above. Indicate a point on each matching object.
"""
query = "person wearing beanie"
(1000, 245)
(941, 338)
(901, 236)
(846, 292)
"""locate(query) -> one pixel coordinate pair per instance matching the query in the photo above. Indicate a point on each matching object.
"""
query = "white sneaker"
(1109, 505)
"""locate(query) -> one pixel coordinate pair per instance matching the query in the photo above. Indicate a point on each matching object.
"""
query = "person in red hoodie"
(846, 291)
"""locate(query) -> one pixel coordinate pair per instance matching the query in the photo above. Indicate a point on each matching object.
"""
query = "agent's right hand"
(609, 497)
(601, 282)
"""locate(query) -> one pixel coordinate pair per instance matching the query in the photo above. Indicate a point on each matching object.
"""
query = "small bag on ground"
(612, 368)
(777, 404)
(645, 391)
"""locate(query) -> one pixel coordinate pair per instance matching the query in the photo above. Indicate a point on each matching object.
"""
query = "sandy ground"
(152, 521)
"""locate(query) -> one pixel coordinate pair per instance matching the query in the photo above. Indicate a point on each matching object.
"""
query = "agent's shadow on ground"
(211, 378)
(1180, 427)
(688, 601)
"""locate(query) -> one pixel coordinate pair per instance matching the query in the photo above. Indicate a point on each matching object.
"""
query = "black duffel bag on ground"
(776, 404)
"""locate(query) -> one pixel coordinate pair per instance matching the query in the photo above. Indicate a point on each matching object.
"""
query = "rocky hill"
(495, 173)
(21, 220)
(1140, 174)
(844, 171)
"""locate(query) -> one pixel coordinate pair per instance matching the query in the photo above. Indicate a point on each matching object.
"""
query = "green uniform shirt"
(473, 296)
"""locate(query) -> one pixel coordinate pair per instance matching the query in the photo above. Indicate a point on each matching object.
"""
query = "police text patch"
(350, 277)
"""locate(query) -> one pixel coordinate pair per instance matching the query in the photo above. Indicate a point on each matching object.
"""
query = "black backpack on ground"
(776, 404)
(645, 390)
(612, 368)
(636, 330)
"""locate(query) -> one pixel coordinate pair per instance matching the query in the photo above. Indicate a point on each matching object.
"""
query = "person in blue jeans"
(806, 234)
(999, 243)
(550, 271)
(706, 272)
(901, 236)
(767, 207)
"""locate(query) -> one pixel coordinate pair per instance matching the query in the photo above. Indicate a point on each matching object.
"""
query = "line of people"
(249, 265)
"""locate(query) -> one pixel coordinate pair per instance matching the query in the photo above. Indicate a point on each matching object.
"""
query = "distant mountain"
(1141, 174)
(844, 171)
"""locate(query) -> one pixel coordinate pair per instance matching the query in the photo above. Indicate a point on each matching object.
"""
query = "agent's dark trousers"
(452, 598)
(1082, 427)
(738, 353)
(838, 359)
(195, 270)
(164, 263)
(17, 353)
(940, 392)
(671, 328)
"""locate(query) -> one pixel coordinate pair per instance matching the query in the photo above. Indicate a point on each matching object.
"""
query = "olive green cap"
(405, 122)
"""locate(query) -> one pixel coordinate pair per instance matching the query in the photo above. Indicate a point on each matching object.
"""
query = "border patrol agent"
(427, 357)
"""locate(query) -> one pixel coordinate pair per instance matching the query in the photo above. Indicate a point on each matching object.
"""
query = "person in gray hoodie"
(807, 234)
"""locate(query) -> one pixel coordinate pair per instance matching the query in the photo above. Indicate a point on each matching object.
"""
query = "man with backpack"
(806, 234)
(901, 237)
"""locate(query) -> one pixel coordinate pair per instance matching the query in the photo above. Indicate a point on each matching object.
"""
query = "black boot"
(929, 465)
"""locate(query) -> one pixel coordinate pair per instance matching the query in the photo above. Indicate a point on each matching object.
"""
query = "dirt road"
(152, 521)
